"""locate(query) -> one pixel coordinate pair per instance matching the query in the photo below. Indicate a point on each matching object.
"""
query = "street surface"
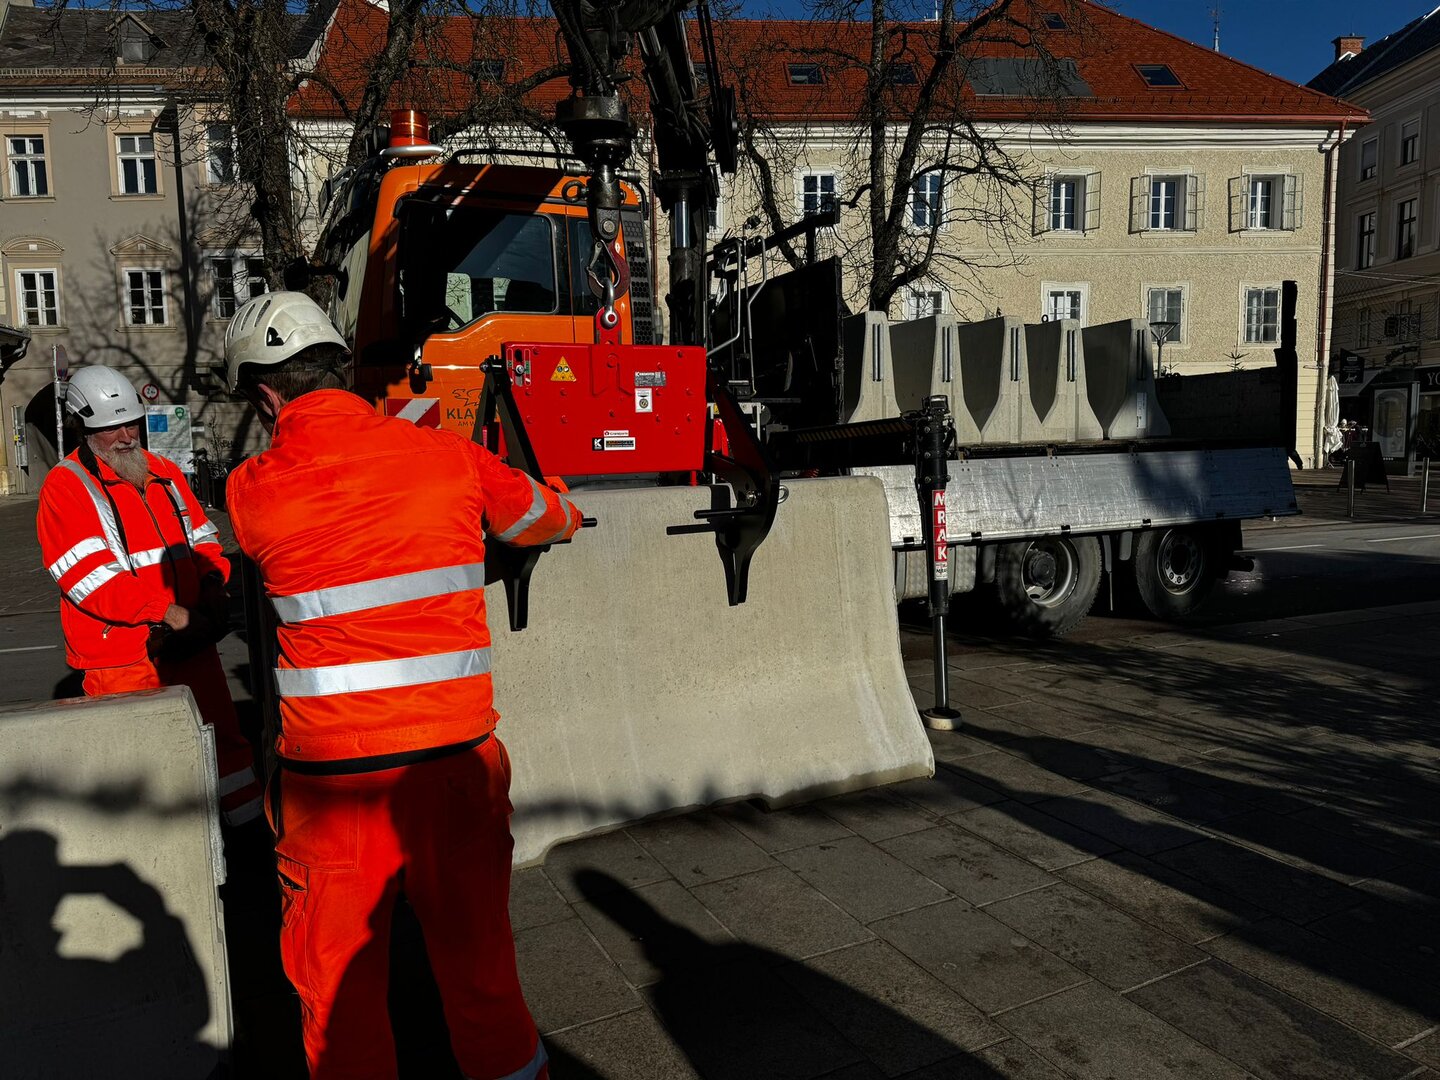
(1150, 852)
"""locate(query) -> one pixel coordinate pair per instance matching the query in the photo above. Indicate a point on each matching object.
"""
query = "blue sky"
(1291, 38)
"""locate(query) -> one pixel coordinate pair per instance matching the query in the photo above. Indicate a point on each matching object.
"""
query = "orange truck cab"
(441, 263)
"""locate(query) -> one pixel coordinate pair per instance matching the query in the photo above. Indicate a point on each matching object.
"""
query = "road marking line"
(30, 648)
(1397, 539)
(1292, 547)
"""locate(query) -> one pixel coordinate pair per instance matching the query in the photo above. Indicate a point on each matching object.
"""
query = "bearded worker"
(369, 533)
(141, 574)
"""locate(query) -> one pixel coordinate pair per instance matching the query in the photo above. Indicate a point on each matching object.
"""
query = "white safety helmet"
(102, 398)
(272, 328)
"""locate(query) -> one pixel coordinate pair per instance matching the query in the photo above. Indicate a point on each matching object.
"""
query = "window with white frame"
(1262, 202)
(926, 201)
(1369, 158)
(1262, 315)
(29, 175)
(922, 303)
(135, 155)
(1065, 302)
(1167, 202)
(1410, 142)
(715, 218)
(1365, 240)
(817, 192)
(1406, 219)
(1067, 203)
(145, 303)
(220, 154)
(39, 296)
(1166, 304)
(235, 278)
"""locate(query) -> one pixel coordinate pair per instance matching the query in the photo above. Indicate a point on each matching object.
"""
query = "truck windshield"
(458, 264)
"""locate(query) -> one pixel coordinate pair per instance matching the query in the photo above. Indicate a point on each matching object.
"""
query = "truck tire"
(1175, 570)
(1046, 587)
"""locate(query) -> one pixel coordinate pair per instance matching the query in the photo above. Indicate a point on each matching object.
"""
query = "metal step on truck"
(1071, 465)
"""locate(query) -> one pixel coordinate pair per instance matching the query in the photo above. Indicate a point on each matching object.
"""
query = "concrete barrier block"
(637, 691)
(1056, 405)
(868, 375)
(992, 370)
(112, 955)
(1120, 379)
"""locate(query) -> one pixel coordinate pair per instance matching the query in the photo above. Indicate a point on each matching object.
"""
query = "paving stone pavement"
(1189, 854)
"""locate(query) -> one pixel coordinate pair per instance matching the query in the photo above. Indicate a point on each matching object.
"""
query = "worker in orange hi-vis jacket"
(369, 535)
(141, 575)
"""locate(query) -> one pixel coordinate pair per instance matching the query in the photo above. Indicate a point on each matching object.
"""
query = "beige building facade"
(1195, 225)
(1386, 350)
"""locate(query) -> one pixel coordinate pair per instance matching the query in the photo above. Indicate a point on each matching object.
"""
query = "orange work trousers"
(346, 847)
(241, 798)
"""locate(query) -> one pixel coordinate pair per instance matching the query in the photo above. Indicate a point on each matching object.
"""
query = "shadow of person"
(740, 1010)
(71, 686)
(137, 1015)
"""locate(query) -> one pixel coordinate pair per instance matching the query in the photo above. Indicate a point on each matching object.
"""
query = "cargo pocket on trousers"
(294, 899)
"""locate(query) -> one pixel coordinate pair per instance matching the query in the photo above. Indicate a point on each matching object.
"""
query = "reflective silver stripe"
(558, 534)
(380, 674)
(236, 780)
(151, 556)
(537, 507)
(246, 811)
(529, 1071)
(67, 562)
(102, 507)
(379, 592)
(92, 581)
(205, 534)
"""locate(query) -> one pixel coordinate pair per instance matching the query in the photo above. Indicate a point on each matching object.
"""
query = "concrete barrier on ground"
(868, 376)
(1120, 378)
(112, 955)
(1058, 405)
(636, 691)
(992, 364)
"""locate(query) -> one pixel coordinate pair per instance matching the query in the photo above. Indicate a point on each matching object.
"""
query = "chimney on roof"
(1348, 45)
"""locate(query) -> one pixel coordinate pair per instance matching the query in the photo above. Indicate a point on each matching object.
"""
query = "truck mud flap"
(636, 690)
(109, 865)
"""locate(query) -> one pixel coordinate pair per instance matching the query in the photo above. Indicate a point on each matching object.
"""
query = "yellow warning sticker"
(562, 372)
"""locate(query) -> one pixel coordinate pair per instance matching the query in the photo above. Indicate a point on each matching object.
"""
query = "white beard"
(129, 464)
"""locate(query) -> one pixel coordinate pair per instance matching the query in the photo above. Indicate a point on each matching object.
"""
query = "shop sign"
(1429, 379)
(1352, 369)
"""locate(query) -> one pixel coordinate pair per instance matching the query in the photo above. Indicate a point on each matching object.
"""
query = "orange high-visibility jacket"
(368, 534)
(121, 558)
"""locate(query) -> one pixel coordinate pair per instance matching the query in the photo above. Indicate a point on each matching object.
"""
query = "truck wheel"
(1174, 570)
(1046, 587)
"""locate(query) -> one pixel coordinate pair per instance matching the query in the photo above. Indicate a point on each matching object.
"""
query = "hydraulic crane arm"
(689, 133)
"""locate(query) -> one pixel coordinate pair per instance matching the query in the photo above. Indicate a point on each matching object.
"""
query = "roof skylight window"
(901, 74)
(1158, 76)
(804, 74)
(1055, 21)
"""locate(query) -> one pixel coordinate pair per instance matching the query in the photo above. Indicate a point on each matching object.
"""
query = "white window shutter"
(1239, 202)
(1293, 202)
(1139, 202)
(1040, 214)
(1092, 201)
(1194, 202)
